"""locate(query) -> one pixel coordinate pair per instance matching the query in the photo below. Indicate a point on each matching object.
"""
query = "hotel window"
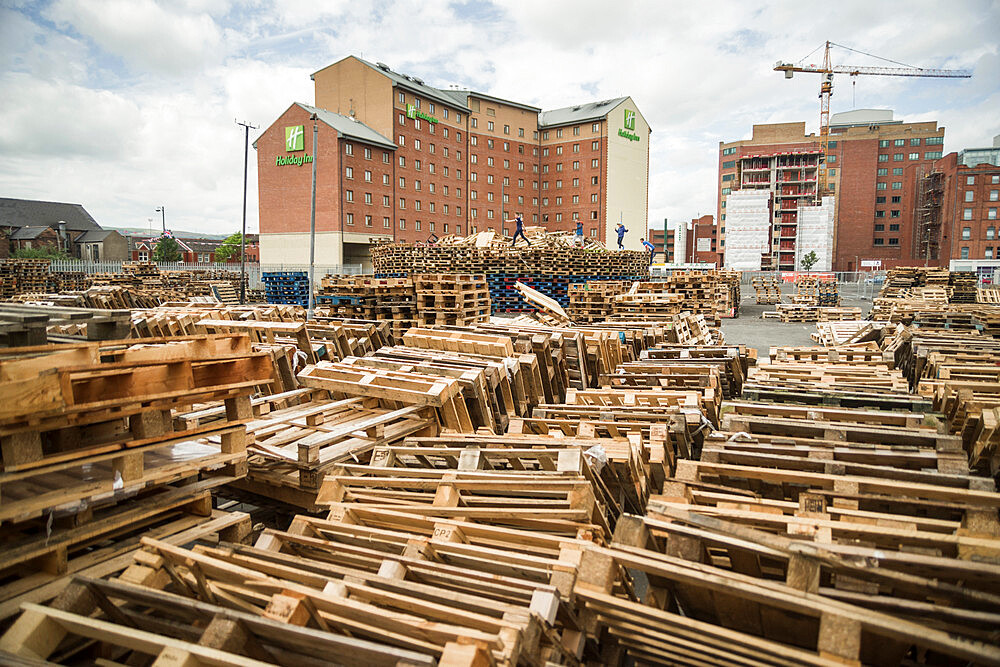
(402, 223)
(431, 148)
(520, 133)
(416, 144)
(368, 154)
(402, 98)
(593, 181)
(416, 102)
(594, 197)
(559, 150)
(593, 216)
(444, 132)
(458, 118)
(576, 148)
(991, 214)
(576, 199)
(545, 152)
(432, 206)
(994, 195)
(417, 225)
(506, 146)
(349, 172)
(385, 157)
(489, 143)
(386, 201)
(416, 165)
(416, 185)
(520, 182)
(445, 150)
(350, 218)
(970, 180)
(348, 149)
(368, 176)
(489, 196)
(430, 226)
(402, 204)
(475, 122)
(458, 210)
(596, 127)
(559, 133)
(965, 253)
(560, 165)
(489, 161)
(368, 198)
(402, 119)
(416, 205)
(489, 178)
(558, 217)
(545, 201)
(520, 166)
(386, 223)
(489, 215)
(430, 167)
(914, 156)
(729, 177)
(967, 214)
(402, 182)
(969, 195)
(576, 130)
(506, 129)
(401, 140)
(558, 201)
(349, 195)
(489, 126)
(385, 179)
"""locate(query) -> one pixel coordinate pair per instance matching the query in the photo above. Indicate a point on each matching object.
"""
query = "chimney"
(63, 241)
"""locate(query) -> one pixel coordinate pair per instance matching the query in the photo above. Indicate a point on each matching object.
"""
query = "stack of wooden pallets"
(767, 289)
(592, 301)
(448, 298)
(368, 297)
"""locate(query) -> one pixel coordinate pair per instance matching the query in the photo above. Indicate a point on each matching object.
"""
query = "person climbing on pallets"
(650, 247)
(519, 231)
(579, 233)
(621, 235)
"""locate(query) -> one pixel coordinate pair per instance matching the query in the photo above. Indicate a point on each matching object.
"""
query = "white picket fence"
(89, 268)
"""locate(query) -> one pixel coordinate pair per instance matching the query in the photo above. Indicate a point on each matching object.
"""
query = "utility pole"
(312, 224)
(162, 210)
(243, 236)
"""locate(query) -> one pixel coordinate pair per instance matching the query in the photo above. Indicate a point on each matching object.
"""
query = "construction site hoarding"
(748, 228)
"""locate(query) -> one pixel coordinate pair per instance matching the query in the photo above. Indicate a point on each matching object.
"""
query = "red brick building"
(872, 164)
(193, 250)
(959, 210)
(458, 162)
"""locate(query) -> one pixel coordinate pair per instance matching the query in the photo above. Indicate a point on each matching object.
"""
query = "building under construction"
(768, 210)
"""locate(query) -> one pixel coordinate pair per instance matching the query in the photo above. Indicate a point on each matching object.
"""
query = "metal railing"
(91, 268)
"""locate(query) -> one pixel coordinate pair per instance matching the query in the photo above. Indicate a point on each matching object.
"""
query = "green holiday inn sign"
(628, 132)
(414, 112)
(294, 141)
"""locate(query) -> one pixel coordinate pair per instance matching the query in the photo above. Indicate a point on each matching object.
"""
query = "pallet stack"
(451, 299)
(367, 297)
(91, 453)
(592, 301)
(290, 287)
(767, 289)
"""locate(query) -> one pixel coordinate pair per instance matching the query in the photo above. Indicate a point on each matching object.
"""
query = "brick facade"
(968, 210)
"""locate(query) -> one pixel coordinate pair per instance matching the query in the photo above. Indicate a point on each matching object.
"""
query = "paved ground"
(749, 329)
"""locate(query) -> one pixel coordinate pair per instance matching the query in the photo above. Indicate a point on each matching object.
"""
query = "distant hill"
(144, 231)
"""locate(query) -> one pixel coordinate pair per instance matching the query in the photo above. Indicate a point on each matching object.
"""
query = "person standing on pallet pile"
(651, 248)
(579, 233)
(519, 231)
(621, 235)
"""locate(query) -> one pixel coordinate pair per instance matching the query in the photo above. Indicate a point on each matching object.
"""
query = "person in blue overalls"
(621, 235)
(651, 248)
(579, 232)
(519, 231)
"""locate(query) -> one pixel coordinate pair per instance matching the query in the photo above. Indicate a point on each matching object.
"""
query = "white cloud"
(127, 105)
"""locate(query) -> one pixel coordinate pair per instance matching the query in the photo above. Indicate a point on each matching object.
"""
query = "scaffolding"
(748, 228)
(927, 230)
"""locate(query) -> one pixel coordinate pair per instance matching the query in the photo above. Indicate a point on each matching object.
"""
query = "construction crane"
(826, 89)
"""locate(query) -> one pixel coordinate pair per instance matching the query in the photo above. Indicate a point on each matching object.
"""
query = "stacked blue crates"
(291, 287)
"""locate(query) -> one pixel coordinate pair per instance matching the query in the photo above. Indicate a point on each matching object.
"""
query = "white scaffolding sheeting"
(815, 235)
(748, 225)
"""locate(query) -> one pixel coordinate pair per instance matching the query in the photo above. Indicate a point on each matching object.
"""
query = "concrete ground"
(749, 329)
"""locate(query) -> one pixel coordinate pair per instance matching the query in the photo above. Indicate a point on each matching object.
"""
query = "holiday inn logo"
(629, 120)
(628, 132)
(295, 138)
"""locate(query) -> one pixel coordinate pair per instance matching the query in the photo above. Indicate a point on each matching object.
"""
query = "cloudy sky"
(127, 105)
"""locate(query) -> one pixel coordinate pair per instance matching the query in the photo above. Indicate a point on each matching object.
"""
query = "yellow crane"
(827, 70)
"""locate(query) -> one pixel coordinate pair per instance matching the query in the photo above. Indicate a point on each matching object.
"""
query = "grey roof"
(27, 233)
(412, 83)
(95, 236)
(465, 94)
(30, 212)
(578, 113)
(349, 127)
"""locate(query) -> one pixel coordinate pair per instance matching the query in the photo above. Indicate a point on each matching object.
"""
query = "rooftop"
(578, 113)
(34, 213)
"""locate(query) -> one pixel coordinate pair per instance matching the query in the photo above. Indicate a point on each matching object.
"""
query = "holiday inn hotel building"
(397, 159)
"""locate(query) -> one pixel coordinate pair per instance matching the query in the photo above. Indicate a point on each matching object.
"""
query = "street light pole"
(312, 223)
(243, 236)
(162, 210)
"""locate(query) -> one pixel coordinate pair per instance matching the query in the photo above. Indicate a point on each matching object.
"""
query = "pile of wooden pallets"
(286, 287)
(23, 275)
(767, 289)
(797, 312)
(592, 301)
(834, 314)
(368, 297)
(449, 298)
(91, 452)
(35, 324)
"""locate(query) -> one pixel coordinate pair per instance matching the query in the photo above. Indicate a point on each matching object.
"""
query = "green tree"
(809, 261)
(230, 248)
(167, 250)
(45, 252)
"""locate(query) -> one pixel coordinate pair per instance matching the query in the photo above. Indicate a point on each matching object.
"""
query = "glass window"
(991, 214)
(991, 232)
(883, 171)
(883, 143)
(897, 185)
(914, 142)
(970, 180)
(965, 253)
(994, 195)
(966, 233)
(931, 141)
(968, 195)
(883, 158)
(897, 157)
(967, 214)
(914, 156)
(989, 252)
(899, 142)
